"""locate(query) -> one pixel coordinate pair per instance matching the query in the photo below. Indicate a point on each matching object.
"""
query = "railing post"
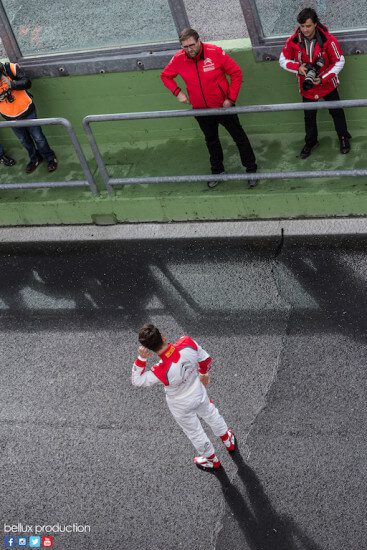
(97, 155)
(81, 156)
(77, 148)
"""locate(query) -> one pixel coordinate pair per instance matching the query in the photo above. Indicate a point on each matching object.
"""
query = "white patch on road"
(38, 300)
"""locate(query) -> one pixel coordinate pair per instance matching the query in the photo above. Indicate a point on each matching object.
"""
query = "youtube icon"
(47, 542)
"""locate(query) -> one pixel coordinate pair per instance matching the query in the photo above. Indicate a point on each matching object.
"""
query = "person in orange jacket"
(204, 69)
(17, 104)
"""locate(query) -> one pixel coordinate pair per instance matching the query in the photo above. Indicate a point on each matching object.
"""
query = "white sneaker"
(229, 440)
(207, 462)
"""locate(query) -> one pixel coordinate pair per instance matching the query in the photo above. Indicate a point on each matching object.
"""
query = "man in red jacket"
(315, 56)
(204, 69)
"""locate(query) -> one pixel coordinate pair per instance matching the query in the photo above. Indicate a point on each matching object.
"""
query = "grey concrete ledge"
(188, 230)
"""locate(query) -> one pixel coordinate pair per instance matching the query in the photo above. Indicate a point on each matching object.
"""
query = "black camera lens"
(311, 75)
(307, 84)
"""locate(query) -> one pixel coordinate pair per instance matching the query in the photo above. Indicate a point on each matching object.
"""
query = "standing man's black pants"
(210, 126)
(338, 117)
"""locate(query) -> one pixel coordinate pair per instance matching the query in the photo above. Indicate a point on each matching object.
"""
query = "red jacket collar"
(321, 29)
(167, 353)
(170, 355)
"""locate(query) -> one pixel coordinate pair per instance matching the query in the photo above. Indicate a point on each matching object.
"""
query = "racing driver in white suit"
(183, 369)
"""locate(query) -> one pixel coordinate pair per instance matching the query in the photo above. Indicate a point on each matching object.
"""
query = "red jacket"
(327, 46)
(204, 76)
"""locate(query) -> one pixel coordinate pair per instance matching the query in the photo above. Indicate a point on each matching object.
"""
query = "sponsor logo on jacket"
(208, 65)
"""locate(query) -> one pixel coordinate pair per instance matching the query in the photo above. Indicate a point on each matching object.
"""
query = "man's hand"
(227, 103)
(204, 379)
(302, 69)
(5, 83)
(144, 352)
(317, 81)
(4, 87)
(182, 98)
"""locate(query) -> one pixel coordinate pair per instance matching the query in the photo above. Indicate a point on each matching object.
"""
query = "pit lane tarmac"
(285, 322)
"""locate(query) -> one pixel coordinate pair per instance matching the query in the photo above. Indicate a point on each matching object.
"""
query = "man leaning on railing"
(17, 104)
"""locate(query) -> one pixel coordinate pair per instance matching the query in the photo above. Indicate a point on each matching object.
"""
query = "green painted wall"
(77, 96)
(168, 147)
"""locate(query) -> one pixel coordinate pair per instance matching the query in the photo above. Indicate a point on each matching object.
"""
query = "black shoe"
(252, 183)
(307, 150)
(52, 165)
(32, 165)
(213, 183)
(7, 161)
(344, 145)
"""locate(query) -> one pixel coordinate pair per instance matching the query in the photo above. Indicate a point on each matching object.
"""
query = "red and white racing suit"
(187, 398)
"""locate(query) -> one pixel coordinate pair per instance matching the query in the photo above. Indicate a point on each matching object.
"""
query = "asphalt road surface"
(81, 448)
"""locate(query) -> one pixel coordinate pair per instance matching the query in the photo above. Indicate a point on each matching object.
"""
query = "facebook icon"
(9, 542)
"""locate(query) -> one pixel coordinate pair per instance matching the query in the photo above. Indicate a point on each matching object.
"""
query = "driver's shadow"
(261, 526)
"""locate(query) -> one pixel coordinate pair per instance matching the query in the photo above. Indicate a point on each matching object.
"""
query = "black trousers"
(210, 127)
(338, 115)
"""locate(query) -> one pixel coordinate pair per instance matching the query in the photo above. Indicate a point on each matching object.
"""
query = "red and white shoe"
(207, 463)
(229, 440)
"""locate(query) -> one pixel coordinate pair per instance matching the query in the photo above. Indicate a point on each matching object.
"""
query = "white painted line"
(185, 230)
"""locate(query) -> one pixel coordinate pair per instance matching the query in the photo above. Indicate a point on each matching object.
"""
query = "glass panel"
(58, 26)
(225, 22)
(280, 18)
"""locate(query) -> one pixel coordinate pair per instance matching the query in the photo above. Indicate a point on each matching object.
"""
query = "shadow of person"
(261, 526)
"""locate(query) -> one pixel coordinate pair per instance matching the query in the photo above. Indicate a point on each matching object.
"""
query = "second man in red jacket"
(315, 56)
(204, 69)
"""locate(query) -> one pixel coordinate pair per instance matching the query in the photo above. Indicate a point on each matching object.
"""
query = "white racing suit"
(187, 398)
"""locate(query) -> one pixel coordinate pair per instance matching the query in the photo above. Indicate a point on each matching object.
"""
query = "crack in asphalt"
(224, 510)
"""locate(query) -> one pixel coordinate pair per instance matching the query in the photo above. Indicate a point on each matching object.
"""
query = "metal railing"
(110, 182)
(77, 148)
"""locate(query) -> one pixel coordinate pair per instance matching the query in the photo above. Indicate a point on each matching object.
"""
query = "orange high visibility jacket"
(22, 100)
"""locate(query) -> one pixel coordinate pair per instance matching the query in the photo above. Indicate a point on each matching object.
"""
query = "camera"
(6, 95)
(312, 72)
